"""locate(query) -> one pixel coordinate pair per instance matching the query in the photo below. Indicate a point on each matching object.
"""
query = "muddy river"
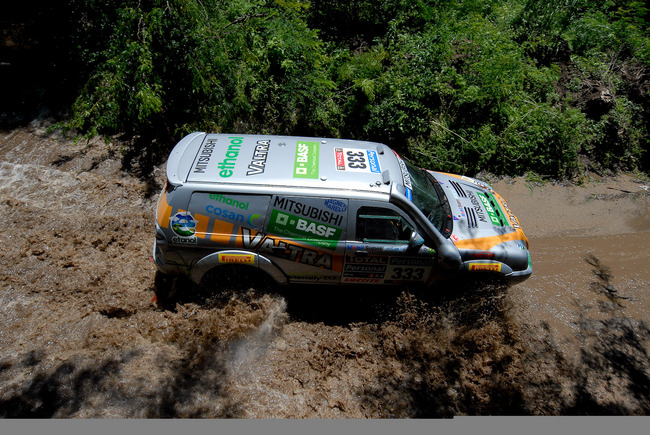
(80, 336)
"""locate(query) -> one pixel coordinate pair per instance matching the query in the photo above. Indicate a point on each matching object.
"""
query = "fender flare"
(251, 259)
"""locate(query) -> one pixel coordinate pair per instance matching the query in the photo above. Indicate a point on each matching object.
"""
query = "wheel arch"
(236, 257)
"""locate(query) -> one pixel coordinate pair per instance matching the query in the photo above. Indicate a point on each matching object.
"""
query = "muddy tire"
(237, 279)
(165, 287)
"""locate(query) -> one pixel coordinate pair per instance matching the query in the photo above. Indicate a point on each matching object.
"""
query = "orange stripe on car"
(487, 243)
(202, 225)
(164, 211)
(222, 232)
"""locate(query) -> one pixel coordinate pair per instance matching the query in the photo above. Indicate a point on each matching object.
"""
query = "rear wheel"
(236, 278)
(165, 287)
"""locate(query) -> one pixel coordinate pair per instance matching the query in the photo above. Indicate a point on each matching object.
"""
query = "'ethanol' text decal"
(215, 159)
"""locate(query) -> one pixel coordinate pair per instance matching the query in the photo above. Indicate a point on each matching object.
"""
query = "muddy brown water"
(80, 336)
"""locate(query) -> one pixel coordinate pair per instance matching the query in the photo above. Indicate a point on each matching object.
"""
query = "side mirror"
(415, 241)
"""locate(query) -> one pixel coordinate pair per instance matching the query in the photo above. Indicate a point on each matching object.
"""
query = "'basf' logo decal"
(305, 230)
(306, 163)
(485, 267)
(237, 258)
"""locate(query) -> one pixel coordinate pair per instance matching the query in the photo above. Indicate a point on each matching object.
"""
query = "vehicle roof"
(294, 161)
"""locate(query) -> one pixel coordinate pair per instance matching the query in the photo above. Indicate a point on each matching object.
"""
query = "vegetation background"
(512, 87)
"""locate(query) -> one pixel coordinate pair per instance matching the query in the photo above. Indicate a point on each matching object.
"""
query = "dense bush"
(503, 86)
(168, 67)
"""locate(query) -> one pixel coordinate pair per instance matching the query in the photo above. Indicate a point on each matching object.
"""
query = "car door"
(384, 247)
(306, 236)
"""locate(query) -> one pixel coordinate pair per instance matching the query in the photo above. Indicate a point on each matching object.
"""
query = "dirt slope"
(80, 336)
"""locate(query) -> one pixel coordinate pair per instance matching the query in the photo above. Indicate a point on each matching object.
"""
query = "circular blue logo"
(183, 224)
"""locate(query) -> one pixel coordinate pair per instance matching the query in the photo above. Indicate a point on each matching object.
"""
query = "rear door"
(224, 220)
(306, 237)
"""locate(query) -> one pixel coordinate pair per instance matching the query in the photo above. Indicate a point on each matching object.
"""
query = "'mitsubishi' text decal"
(311, 210)
(477, 207)
(204, 156)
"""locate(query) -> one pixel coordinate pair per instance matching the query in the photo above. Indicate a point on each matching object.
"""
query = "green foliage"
(186, 65)
(505, 86)
(123, 94)
(621, 137)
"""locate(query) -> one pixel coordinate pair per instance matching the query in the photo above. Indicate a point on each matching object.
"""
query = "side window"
(375, 224)
(221, 217)
(228, 210)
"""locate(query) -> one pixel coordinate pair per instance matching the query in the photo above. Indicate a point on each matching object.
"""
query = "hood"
(483, 224)
(475, 206)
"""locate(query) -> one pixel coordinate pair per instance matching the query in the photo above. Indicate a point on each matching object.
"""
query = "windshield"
(429, 197)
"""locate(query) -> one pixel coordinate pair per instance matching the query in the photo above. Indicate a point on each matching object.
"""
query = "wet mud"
(81, 337)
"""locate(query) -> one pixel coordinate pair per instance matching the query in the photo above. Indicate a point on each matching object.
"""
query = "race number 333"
(356, 160)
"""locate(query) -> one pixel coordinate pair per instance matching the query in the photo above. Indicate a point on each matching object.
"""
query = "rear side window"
(376, 224)
(222, 216)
